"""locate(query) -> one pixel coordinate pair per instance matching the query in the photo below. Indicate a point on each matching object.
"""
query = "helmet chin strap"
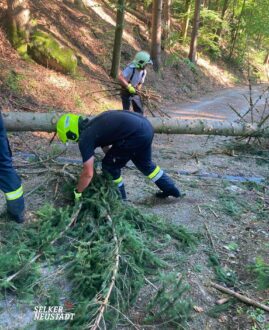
(51, 140)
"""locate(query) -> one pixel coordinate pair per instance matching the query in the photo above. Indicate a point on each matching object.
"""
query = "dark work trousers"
(10, 183)
(137, 149)
(134, 99)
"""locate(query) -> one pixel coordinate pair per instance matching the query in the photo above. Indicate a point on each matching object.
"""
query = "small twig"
(210, 237)
(263, 120)
(215, 214)
(37, 187)
(238, 114)
(199, 209)
(124, 316)
(240, 297)
(151, 284)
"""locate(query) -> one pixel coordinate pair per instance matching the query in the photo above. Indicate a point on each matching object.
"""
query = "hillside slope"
(28, 86)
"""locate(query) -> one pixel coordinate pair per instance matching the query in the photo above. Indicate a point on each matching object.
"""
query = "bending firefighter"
(130, 136)
(132, 79)
(10, 183)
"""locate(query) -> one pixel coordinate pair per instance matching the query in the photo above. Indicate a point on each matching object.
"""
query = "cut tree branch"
(240, 297)
(105, 302)
(73, 220)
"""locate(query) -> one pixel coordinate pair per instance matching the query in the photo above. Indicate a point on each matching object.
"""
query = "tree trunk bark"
(18, 22)
(234, 38)
(186, 20)
(118, 39)
(195, 28)
(166, 19)
(156, 34)
(224, 8)
(25, 121)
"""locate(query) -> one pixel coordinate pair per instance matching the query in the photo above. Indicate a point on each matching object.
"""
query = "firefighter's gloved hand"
(77, 195)
(131, 89)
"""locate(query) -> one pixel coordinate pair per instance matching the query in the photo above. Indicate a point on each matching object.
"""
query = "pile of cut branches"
(104, 249)
(150, 98)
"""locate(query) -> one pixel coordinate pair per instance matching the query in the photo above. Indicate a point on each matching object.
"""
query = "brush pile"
(149, 97)
(96, 254)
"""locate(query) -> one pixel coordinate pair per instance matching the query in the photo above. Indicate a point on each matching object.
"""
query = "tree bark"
(18, 22)
(195, 28)
(118, 39)
(156, 34)
(166, 19)
(25, 121)
(186, 20)
(223, 11)
(234, 37)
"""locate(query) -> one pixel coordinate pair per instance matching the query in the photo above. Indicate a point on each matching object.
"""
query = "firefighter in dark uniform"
(130, 136)
(132, 79)
(10, 183)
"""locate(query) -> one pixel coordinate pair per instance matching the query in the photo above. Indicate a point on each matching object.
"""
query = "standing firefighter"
(10, 183)
(130, 136)
(132, 79)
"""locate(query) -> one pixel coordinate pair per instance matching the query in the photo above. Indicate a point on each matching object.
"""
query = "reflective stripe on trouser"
(156, 174)
(163, 182)
(121, 188)
(15, 194)
(119, 181)
(10, 182)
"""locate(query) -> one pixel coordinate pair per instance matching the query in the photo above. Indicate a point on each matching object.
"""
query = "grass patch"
(13, 80)
(261, 272)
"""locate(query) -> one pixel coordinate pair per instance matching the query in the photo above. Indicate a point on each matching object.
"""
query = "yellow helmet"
(67, 127)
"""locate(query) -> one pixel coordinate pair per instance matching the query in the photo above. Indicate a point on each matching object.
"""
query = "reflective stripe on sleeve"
(10, 196)
(119, 181)
(156, 174)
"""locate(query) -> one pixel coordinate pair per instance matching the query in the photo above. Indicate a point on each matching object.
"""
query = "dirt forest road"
(216, 105)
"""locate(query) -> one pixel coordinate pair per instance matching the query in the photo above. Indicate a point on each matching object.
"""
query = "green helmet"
(141, 59)
(67, 127)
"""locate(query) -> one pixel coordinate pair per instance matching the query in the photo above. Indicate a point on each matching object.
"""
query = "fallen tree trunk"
(25, 121)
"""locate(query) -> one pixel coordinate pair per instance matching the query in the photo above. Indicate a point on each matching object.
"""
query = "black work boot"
(122, 192)
(19, 218)
(167, 187)
(15, 209)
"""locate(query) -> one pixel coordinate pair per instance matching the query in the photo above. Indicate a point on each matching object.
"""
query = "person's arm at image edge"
(122, 80)
(86, 175)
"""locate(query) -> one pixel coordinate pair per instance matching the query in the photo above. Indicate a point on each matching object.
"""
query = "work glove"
(131, 89)
(77, 195)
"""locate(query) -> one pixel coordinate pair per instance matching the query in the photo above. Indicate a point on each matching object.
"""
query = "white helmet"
(141, 59)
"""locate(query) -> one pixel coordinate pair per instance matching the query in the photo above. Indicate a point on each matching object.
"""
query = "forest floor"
(227, 201)
(231, 215)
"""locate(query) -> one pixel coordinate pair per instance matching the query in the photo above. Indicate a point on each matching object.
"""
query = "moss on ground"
(46, 50)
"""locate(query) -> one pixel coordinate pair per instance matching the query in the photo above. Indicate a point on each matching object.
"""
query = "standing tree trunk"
(219, 30)
(18, 24)
(195, 28)
(156, 34)
(186, 20)
(234, 37)
(166, 18)
(118, 39)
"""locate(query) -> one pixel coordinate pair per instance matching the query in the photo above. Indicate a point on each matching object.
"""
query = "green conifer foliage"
(105, 256)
